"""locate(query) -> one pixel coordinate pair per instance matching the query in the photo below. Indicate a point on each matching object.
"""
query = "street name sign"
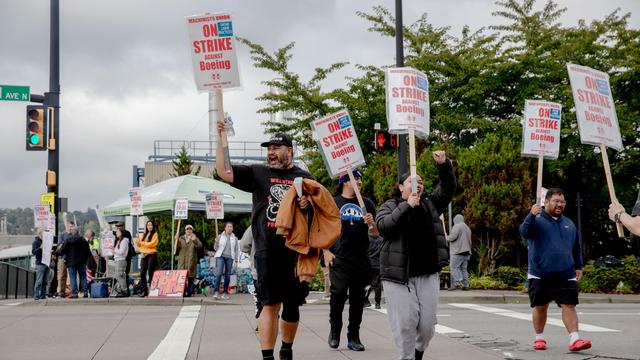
(15, 93)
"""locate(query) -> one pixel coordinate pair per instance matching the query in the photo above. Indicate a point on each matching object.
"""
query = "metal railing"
(15, 281)
(204, 151)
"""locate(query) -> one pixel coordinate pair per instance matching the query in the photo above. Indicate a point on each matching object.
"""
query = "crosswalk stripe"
(527, 316)
(176, 343)
(440, 329)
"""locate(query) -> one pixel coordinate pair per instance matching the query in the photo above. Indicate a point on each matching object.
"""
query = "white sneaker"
(224, 297)
(215, 296)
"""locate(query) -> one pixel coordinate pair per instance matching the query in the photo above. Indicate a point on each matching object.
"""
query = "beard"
(281, 162)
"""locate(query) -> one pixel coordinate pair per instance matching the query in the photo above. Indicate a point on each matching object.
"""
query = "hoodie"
(460, 237)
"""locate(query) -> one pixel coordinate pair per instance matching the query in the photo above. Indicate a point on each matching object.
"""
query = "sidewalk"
(315, 298)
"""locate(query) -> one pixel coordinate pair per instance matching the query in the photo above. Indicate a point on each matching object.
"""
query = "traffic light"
(384, 140)
(36, 129)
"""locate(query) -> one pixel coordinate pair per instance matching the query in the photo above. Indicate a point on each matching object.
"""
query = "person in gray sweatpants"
(413, 252)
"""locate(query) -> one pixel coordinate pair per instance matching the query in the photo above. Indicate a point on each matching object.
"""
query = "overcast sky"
(127, 79)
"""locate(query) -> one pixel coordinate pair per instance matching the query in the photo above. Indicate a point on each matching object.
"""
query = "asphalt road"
(466, 331)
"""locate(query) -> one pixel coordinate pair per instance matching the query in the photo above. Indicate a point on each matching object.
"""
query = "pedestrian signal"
(36, 129)
(384, 140)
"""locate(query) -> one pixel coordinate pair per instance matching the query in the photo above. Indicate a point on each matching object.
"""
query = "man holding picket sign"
(348, 260)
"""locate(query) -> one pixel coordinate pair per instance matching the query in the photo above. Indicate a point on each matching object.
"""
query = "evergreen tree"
(183, 165)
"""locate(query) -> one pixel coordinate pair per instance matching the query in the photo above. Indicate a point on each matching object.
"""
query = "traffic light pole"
(52, 100)
(403, 166)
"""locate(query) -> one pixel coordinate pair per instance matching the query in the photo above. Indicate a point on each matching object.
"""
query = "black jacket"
(77, 251)
(393, 218)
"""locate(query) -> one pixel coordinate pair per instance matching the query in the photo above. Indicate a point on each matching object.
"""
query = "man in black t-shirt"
(348, 261)
(277, 286)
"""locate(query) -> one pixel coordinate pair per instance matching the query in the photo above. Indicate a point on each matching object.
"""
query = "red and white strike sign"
(181, 210)
(595, 110)
(337, 139)
(407, 93)
(215, 206)
(541, 130)
(135, 201)
(213, 50)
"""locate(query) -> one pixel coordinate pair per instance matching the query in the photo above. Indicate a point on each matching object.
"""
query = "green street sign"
(14, 93)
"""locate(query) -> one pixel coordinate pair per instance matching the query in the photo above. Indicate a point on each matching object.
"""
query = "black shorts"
(544, 291)
(277, 282)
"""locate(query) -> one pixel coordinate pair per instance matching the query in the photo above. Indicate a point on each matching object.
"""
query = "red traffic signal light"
(36, 129)
(384, 140)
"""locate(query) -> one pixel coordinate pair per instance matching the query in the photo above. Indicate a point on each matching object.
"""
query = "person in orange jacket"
(147, 243)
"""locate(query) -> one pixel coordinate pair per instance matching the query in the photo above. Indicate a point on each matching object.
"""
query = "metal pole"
(403, 166)
(213, 124)
(52, 99)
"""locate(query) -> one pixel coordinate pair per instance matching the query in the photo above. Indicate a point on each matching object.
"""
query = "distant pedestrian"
(120, 250)
(226, 257)
(246, 246)
(93, 265)
(187, 250)
(555, 267)
(460, 249)
(414, 251)
(375, 245)
(76, 250)
(62, 259)
(42, 270)
(130, 251)
(148, 245)
(348, 261)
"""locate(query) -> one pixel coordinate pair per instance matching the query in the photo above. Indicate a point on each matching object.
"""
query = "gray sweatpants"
(411, 310)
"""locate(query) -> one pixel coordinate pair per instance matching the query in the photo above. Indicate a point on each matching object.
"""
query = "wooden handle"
(539, 183)
(412, 161)
(354, 185)
(223, 133)
(612, 190)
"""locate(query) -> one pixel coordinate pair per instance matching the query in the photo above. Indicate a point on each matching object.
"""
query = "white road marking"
(176, 343)
(600, 313)
(12, 304)
(440, 329)
(527, 316)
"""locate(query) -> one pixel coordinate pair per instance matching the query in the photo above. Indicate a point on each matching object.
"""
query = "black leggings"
(147, 264)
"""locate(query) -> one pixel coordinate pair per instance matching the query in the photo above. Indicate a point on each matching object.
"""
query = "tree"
(183, 165)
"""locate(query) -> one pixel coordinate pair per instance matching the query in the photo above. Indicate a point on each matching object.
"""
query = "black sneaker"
(354, 343)
(286, 354)
(334, 339)
(377, 306)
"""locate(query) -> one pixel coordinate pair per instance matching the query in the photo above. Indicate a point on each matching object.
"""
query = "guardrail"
(15, 281)
(241, 151)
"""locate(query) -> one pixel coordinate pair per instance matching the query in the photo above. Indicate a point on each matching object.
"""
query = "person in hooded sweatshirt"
(460, 249)
(77, 251)
(413, 253)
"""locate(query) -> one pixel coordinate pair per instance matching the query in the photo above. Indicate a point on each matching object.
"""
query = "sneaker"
(377, 306)
(286, 354)
(215, 296)
(334, 339)
(354, 343)
(367, 304)
(452, 288)
(580, 345)
(539, 344)
(224, 297)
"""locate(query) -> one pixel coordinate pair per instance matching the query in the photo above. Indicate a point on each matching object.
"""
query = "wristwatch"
(616, 217)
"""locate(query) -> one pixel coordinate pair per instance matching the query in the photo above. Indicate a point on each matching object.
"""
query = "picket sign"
(597, 118)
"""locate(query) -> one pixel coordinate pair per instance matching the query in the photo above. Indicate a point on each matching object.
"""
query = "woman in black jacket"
(413, 252)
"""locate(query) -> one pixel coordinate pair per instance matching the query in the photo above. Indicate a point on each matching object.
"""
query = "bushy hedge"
(624, 279)
(486, 283)
(512, 276)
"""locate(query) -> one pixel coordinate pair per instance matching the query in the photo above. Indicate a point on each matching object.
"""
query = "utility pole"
(403, 166)
(52, 100)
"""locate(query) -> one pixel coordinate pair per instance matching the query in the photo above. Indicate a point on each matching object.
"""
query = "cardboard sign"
(407, 94)
(215, 206)
(336, 137)
(135, 201)
(107, 244)
(213, 50)
(541, 129)
(41, 216)
(47, 246)
(168, 284)
(595, 110)
(181, 210)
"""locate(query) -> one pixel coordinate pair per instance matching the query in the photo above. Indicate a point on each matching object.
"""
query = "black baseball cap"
(278, 139)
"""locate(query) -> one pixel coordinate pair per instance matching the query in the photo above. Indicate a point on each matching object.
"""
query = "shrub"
(512, 276)
(607, 279)
(487, 282)
(317, 282)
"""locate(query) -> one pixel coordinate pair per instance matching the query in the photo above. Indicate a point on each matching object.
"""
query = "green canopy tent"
(160, 198)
